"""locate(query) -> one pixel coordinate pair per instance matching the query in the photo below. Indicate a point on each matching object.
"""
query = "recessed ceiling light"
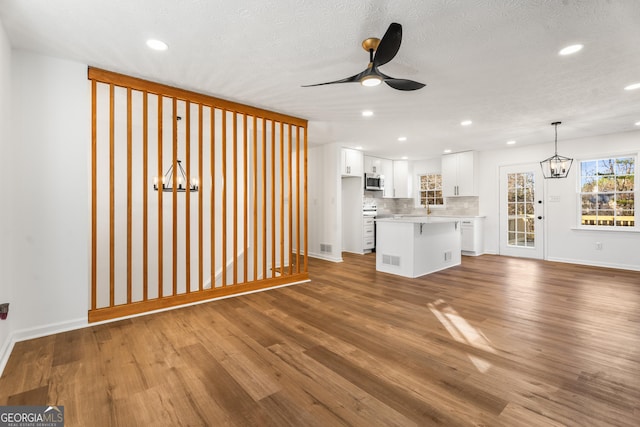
(402, 138)
(404, 157)
(637, 123)
(447, 151)
(633, 86)
(157, 44)
(367, 113)
(466, 122)
(571, 49)
(511, 142)
(359, 147)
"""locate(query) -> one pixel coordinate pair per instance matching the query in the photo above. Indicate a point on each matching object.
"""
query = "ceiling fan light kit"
(381, 51)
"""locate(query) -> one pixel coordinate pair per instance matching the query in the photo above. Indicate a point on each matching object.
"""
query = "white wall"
(48, 160)
(6, 272)
(325, 201)
(563, 242)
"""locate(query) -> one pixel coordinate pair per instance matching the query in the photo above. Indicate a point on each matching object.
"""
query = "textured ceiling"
(492, 61)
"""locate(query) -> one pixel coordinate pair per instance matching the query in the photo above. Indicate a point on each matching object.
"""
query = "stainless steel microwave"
(373, 182)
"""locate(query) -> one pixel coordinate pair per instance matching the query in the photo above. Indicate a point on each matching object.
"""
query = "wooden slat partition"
(244, 241)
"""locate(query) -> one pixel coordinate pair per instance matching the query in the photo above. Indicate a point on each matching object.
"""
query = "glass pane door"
(521, 211)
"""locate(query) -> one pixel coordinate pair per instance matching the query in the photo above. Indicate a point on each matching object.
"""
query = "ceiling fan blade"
(352, 79)
(404, 84)
(389, 45)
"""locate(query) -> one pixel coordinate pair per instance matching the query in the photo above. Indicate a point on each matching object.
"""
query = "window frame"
(580, 193)
(419, 192)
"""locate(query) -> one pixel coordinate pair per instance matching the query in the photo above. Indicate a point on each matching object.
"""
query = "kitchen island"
(415, 246)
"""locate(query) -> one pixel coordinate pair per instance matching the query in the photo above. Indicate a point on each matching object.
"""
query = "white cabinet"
(352, 162)
(368, 236)
(372, 164)
(382, 167)
(459, 174)
(402, 184)
(472, 236)
(386, 171)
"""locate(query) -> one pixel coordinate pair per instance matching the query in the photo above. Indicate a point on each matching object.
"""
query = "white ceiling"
(491, 61)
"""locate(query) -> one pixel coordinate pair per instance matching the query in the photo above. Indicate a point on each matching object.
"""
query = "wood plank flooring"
(497, 341)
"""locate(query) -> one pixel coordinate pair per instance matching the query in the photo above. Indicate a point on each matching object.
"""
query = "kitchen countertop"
(417, 219)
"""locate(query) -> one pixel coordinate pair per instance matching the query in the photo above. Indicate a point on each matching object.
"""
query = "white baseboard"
(5, 352)
(325, 257)
(596, 264)
(37, 332)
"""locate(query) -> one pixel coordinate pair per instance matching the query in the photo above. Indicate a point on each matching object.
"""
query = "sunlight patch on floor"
(463, 332)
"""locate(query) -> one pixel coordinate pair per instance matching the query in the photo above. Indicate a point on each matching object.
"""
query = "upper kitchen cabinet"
(386, 171)
(459, 174)
(382, 167)
(352, 162)
(372, 165)
(402, 187)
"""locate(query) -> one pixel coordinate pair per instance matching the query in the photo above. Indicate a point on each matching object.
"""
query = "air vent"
(326, 248)
(391, 260)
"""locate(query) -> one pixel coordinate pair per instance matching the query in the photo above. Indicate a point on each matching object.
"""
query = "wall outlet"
(4, 310)
(598, 246)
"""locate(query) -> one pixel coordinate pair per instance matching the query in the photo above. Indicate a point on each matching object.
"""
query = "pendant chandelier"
(556, 166)
(175, 178)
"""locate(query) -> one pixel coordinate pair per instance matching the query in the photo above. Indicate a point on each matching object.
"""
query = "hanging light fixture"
(178, 179)
(556, 166)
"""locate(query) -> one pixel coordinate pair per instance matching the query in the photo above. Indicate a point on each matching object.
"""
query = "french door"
(521, 211)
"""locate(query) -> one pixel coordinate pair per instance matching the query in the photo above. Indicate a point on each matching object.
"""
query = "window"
(607, 192)
(431, 189)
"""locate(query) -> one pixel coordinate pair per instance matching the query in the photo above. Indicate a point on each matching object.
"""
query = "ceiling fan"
(380, 51)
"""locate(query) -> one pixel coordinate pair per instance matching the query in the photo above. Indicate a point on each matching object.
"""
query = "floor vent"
(326, 248)
(391, 260)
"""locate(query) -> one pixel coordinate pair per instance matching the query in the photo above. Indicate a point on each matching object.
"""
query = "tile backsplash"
(462, 206)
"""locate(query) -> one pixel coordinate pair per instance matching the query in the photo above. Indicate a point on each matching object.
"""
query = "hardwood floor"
(495, 341)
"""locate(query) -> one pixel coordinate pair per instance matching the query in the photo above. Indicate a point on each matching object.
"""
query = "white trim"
(5, 352)
(633, 267)
(37, 332)
(615, 229)
(326, 258)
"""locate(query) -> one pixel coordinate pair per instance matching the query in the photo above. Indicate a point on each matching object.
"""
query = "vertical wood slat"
(255, 198)
(94, 195)
(159, 194)
(234, 140)
(281, 198)
(264, 198)
(290, 202)
(200, 202)
(174, 212)
(273, 199)
(129, 196)
(223, 146)
(212, 160)
(245, 264)
(112, 260)
(298, 199)
(145, 195)
(306, 216)
(187, 222)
